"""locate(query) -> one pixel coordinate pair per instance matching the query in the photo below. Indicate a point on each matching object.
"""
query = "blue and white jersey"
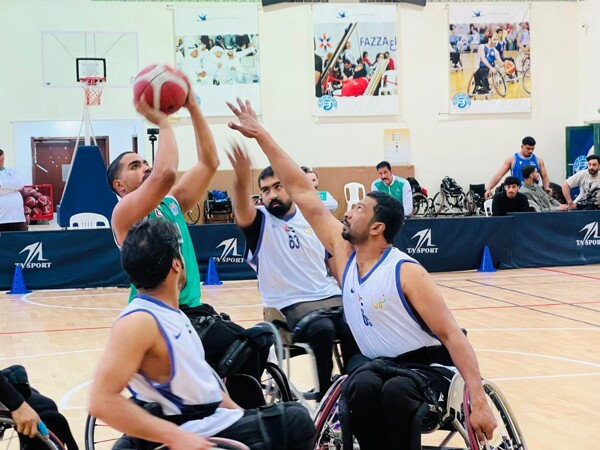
(518, 163)
(290, 262)
(500, 47)
(490, 55)
(378, 314)
(192, 381)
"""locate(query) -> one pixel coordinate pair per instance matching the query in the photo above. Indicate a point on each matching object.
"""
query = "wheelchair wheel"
(470, 205)
(498, 83)
(10, 439)
(438, 204)
(508, 435)
(420, 204)
(471, 86)
(526, 82)
(276, 387)
(193, 215)
(99, 436)
(328, 431)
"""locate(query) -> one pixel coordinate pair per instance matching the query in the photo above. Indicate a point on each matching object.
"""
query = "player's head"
(1, 158)
(151, 253)
(527, 146)
(127, 173)
(312, 176)
(272, 194)
(511, 186)
(530, 171)
(385, 172)
(499, 33)
(375, 216)
(593, 162)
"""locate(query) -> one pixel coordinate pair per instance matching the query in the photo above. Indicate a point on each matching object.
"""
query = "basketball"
(43, 200)
(510, 67)
(30, 202)
(163, 87)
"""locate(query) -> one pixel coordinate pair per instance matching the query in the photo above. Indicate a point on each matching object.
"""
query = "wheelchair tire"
(9, 435)
(99, 436)
(498, 83)
(526, 80)
(276, 387)
(471, 204)
(328, 432)
(420, 205)
(193, 215)
(437, 204)
(507, 435)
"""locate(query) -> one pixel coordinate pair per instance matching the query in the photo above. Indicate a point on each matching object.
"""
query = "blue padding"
(86, 189)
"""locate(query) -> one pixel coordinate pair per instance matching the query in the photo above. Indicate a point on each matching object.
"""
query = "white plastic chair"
(533, 205)
(354, 193)
(487, 207)
(88, 220)
(389, 83)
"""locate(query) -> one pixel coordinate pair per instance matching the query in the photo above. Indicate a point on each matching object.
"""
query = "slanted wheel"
(420, 204)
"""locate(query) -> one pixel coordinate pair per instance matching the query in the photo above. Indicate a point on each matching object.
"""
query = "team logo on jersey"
(158, 212)
(35, 257)
(591, 237)
(289, 229)
(309, 231)
(174, 209)
(230, 252)
(378, 300)
(424, 244)
(365, 318)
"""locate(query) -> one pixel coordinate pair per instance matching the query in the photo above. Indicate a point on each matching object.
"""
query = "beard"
(593, 171)
(278, 208)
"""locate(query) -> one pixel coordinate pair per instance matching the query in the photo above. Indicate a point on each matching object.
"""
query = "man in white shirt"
(588, 182)
(12, 211)
(330, 203)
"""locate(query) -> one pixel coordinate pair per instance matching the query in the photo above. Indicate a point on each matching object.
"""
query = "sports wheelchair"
(450, 201)
(9, 438)
(475, 199)
(419, 197)
(218, 207)
(452, 418)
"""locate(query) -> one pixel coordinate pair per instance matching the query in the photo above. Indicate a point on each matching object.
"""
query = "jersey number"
(293, 241)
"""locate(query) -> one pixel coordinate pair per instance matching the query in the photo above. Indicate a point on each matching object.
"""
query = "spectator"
(515, 162)
(510, 199)
(28, 408)
(330, 202)
(357, 85)
(588, 182)
(535, 193)
(397, 187)
(12, 210)
(391, 65)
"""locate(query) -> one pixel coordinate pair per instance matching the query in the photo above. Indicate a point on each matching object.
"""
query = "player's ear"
(377, 228)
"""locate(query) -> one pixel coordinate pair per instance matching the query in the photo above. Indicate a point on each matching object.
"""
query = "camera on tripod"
(152, 133)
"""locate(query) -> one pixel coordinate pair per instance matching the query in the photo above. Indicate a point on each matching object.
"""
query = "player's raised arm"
(327, 227)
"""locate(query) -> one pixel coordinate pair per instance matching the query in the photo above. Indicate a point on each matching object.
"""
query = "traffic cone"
(212, 276)
(18, 284)
(487, 265)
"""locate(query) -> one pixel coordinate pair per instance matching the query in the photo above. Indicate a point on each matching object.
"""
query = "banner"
(217, 47)
(490, 66)
(356, 60)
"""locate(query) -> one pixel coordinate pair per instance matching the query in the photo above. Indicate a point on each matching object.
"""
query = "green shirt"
(190, 294)
(395, 189)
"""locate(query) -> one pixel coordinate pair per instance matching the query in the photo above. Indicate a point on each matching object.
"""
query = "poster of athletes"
(490, 66)
(217, 47)
(356, 65)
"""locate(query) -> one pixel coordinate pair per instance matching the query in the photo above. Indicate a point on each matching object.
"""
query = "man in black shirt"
(510, 199)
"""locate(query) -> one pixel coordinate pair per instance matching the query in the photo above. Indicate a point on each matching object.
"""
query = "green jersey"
(190, 294)
(395, 189)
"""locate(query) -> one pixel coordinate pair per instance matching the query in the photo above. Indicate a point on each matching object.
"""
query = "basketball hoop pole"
(93, 94)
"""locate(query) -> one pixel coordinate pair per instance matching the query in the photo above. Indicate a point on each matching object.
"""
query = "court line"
(63, 403)
(539, 355)
(41, 355)
(25, 299)
(545, 377)
(536, 329)
(535, 305)
(568, 273)
(58, 330)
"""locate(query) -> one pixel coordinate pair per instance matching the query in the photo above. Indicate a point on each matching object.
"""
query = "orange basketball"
(163, 86)
(510, 67)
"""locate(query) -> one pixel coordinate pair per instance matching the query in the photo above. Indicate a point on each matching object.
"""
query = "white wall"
(468, 148)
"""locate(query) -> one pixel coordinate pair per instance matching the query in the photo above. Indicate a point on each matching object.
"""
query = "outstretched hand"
(249, 125)
(154, 115)
(239, 158)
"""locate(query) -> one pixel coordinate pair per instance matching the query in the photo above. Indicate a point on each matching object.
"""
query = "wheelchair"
(497, 83)
(475, 199)
(9, 438)
(218, 207)
(450, 201)
(453, 421)
(419, 197)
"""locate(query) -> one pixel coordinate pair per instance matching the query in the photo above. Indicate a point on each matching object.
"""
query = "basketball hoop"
(93, 89)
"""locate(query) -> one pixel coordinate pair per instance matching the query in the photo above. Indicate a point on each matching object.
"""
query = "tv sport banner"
(356, 60)
(489, 61)
(217, 47)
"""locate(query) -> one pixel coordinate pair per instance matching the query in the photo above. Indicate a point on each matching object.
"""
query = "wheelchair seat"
(218, 207)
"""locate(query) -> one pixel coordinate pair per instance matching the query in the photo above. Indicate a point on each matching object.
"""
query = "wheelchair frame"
(8, 432)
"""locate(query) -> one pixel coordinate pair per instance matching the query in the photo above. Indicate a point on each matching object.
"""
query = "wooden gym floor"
(536, 333)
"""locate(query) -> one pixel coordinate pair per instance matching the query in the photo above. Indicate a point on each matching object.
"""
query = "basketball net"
(92, 87)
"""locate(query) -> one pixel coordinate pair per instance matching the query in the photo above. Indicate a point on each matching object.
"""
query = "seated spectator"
(154, 350)
(328, 200)
(348, 69)
(12, 210)
(357, 85)
(397, 187)
(510, 199)
(536, 193)
(28, 408)
(588, 182)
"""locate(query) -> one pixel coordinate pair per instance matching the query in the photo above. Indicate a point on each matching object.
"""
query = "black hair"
(305, 169)
(1, 152)
(388, 211)
(498, 30)
(383, 164)
(596, 157)
(509, 181)
(527, 170)
(148, 252)
(114, 171)
(528, 140)
(362, 73)
(266, 173)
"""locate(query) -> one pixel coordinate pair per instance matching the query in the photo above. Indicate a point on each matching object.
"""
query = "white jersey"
(11, 201)
(378, 314)
(192, 380)
(290, 262)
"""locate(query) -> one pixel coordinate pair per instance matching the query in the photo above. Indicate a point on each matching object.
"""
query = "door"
(52, 160)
